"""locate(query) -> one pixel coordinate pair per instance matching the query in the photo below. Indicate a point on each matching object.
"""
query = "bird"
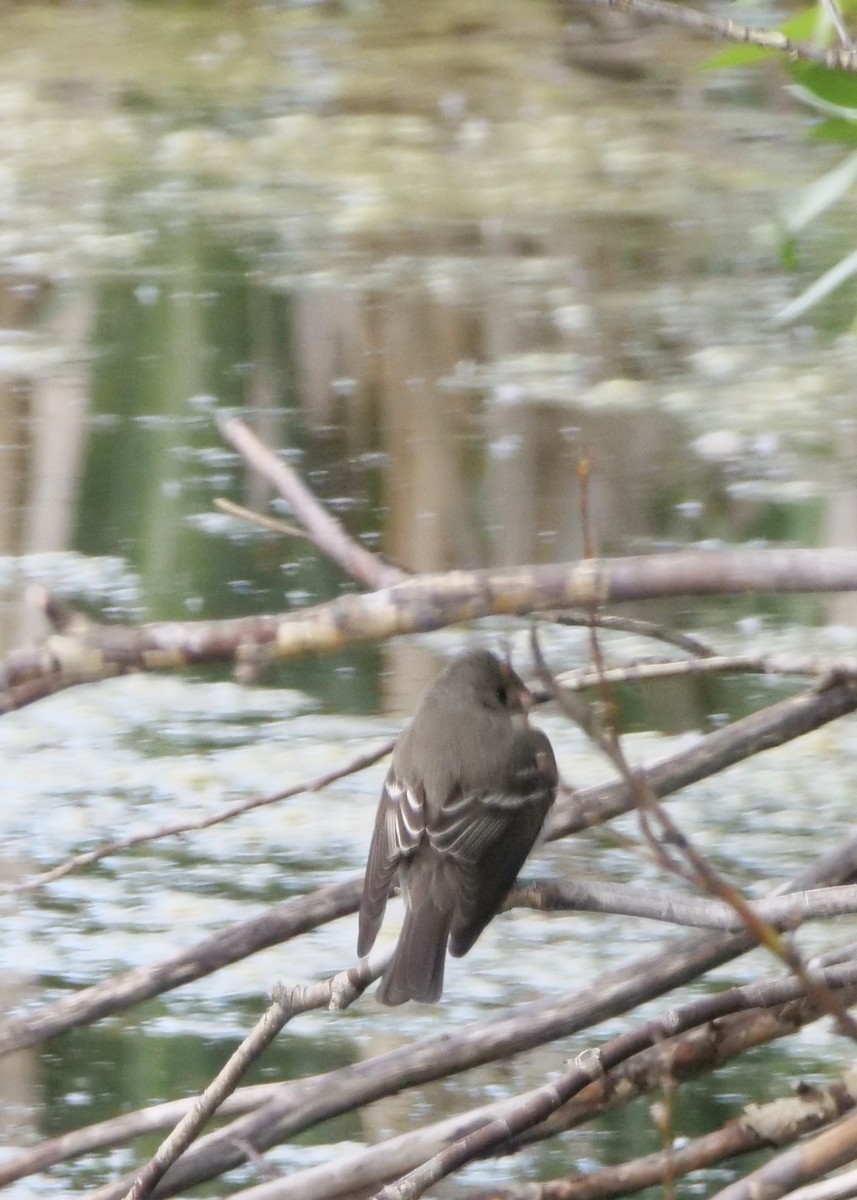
(464, 800)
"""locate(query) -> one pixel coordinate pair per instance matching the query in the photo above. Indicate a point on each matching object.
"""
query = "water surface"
(433, 258)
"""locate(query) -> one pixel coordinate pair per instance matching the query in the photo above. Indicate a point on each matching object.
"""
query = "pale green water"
(434, 260)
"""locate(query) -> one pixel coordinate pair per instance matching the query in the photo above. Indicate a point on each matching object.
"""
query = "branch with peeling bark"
(424, 603)
(699, 1050)
(81, 651)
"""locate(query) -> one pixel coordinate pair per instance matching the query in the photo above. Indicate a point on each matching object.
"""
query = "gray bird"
(467, 793)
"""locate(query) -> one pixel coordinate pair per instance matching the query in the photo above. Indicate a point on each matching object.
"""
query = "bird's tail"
(416, 969)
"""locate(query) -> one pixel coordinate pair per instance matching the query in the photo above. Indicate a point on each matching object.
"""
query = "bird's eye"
(502, 694)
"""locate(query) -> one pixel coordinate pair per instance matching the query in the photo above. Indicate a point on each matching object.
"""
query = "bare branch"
(784, 665)
(116, 1131)
(688, 1054)
(282, 1008)
(268, 928)
(272, 524)
(327, 533)
(786, 912)
(647, 629)
(285, 1004)
(413, 605)
(842, 1186)
(301, 1104)
(538, 1104)
(828, 1150)
(759, 1126)
(770, 727)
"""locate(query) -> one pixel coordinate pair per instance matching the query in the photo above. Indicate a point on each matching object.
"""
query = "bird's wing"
(470, 821)
(399, 825)
(503, 827)
(466, 824)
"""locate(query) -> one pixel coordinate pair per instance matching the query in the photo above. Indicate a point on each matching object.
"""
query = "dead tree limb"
(277, 924)
(825, 1152)
(759, 1126)
(700, 1050)
(419, 604)
(286, 1003)
(325, 531)
(537, 1105)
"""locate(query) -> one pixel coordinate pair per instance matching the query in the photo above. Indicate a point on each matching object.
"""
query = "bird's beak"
(522, 696)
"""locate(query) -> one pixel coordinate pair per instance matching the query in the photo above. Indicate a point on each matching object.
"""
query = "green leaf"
(835, 130)
(833, 86)
(736, 56)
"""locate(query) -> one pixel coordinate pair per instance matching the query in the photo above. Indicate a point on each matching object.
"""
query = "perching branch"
(782, 912)
(299, 1105)
(773, 726)
(285, 1004)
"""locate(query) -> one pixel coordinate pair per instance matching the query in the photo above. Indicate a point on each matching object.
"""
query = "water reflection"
(433, 263)
(43, 411)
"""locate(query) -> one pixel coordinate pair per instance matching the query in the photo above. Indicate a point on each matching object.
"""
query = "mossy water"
(433, 260)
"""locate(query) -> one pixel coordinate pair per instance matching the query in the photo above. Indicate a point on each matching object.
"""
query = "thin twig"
(359, 763)
(784, 665)
(282, 1008)
(272, 524)
(617, 624)
(692, 865)
(683, 858)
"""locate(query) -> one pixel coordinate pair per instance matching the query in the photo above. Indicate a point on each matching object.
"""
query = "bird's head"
(493, 682)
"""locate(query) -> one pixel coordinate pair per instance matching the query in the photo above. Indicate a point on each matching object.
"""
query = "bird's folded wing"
(465, 826)
(399, 825)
